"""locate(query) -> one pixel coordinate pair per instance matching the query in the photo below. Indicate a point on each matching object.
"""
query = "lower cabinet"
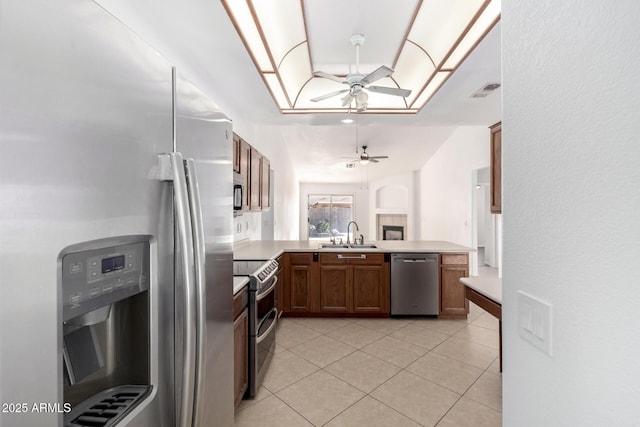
(336, 282)
(300, 289)
(371, 288)
(453, 304)
(240, 345)
(354, 283)
(325, 283)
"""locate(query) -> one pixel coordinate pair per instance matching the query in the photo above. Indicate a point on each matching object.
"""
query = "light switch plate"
(535, 321)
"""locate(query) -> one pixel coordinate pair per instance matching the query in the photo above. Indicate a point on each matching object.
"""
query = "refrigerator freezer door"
(84, 112)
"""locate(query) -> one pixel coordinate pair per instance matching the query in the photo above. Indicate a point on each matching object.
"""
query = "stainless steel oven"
(263, 316)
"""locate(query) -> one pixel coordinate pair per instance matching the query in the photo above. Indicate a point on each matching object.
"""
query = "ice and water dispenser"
(106, 330)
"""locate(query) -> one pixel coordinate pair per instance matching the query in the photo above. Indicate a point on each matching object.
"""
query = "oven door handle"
(263, 294)
(260, 338)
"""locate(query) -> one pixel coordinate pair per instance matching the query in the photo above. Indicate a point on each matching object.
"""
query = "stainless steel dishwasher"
(415, 284)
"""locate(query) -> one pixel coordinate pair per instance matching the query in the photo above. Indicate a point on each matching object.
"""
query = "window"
(328, 216)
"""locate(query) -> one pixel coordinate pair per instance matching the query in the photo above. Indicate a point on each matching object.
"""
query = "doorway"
(484, 236)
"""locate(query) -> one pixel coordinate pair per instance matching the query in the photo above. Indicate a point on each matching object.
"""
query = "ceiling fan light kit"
(365, 158)
(359, 82)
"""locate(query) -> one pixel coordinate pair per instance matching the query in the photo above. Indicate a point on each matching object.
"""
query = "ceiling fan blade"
(372, 160)
(377, 74)
(347, 100)
(330, 77)
(378, 157)
(390, 90)
(329, 95)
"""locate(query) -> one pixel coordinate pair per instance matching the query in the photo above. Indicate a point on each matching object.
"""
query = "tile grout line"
(349, 321)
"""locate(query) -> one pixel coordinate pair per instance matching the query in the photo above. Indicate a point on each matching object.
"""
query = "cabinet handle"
(361, 256)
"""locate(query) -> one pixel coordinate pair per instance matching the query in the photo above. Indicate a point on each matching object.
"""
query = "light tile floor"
(381, 372)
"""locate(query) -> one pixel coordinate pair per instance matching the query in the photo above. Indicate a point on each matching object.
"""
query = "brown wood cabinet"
(353, 282)
(496, 168)
(371, 288)
(240, 345)
(255, 180)
(254, 168)
(241, 164)
(453, 304)
(300, 287)
(265, 199)
(236, 152)
(336, 283)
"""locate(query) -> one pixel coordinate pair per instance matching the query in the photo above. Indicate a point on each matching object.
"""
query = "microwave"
(238, 191)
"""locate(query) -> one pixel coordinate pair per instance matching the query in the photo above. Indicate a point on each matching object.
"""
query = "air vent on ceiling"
(486, 90)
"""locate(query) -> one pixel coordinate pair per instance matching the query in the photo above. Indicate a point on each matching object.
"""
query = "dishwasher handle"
(415, 259)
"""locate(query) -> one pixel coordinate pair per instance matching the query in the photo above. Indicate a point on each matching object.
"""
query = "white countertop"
(239, 282)
(486, 283)
(270, 249)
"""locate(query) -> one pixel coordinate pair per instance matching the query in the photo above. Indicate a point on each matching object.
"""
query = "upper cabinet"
(254, 168)
(265, 199)
(255, 182)
(496, 168)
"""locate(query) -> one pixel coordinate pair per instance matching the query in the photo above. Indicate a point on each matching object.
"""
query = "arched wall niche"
(393, 197)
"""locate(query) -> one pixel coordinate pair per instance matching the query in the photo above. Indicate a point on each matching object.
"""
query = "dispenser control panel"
(95, 274)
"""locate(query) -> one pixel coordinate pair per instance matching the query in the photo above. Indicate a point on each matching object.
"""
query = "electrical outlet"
(534, 321)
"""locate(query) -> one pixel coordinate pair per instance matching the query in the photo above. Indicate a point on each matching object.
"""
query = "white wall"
(404, 183)
(446, 185)
(286, 198)
(361, 202)
(571, 209)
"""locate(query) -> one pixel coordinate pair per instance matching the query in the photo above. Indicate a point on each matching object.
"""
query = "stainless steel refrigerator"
(115, 229)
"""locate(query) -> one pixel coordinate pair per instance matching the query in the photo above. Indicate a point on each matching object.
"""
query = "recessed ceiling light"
(347, 121)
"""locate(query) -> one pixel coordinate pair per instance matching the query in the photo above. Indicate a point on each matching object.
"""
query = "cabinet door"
(255, 182)
(236, 153)
(245, 171)
(496, 168)
(368, 289)
(453, 303)
(335, 288)
(241, 355)
(265, 196)
(300, 288)
(280, 286)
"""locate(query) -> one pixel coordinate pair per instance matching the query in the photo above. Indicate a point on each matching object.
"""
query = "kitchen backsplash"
(247, 226)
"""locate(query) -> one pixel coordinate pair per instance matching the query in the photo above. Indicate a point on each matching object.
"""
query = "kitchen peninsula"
(353, 281)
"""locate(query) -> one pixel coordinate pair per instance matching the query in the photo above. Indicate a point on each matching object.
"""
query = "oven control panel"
(96, 277)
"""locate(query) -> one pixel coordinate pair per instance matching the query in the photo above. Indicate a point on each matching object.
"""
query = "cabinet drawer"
(240, 301)
(454, 259)
(358, 258)
(300, 258)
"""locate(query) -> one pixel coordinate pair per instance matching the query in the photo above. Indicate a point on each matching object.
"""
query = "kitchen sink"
(332, 246)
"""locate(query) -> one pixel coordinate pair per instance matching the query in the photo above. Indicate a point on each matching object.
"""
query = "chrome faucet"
(357, 229)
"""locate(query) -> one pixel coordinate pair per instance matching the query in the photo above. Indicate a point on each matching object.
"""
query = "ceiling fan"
(359, 82)
(365, 158)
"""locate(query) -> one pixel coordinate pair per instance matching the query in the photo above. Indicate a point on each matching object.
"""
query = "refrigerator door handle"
(200, 282)
(184, 227)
